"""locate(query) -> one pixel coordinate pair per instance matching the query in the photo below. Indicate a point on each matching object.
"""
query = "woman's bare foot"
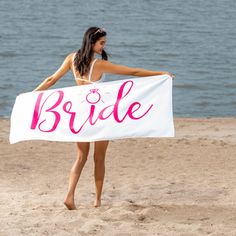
(69, 203)
(97, 203)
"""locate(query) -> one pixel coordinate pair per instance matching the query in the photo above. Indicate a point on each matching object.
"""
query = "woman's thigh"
(100, 148)
(83, 148)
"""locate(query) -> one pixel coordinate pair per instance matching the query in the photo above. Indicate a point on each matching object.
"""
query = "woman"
(86, 69)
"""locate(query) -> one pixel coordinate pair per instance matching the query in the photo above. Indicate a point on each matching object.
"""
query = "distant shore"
(169, 186)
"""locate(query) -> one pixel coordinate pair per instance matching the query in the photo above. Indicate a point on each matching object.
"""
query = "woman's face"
(99, 45)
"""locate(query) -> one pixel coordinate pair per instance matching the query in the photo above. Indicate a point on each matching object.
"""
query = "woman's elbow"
(134, 72)
(50, 81)
(137, 72)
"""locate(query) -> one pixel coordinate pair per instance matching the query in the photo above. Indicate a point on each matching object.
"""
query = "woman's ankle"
(70, 195)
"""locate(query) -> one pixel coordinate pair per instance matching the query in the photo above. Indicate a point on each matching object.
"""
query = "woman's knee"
(82, 152)
(99, 157)
(82, 157)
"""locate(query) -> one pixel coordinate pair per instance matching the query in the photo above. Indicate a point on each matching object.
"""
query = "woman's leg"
(99, 170)
(82, 154)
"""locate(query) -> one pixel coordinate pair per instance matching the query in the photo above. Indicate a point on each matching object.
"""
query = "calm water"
(195, 40)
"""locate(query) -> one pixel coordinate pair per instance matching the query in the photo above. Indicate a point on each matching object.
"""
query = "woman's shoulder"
(71, 55)
(101, 62)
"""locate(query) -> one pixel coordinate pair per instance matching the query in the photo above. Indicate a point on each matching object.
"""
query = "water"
(195, 40)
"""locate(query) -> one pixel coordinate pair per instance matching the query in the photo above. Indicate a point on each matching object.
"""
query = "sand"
(170, 186)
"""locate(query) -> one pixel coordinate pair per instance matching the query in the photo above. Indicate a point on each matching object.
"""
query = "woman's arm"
(51, 80)
(108, 67)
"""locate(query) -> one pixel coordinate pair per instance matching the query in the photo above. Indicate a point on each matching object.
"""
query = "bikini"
(90, 74)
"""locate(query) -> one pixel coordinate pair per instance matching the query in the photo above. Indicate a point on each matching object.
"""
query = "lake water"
(195, 40)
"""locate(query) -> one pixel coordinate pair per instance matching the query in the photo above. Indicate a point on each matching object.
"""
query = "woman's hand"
(171, 75)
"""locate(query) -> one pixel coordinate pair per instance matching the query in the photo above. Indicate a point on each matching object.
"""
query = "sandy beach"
(170, 186)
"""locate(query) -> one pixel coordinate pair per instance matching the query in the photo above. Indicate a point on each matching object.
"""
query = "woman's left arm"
(108, 67)
(51, 80)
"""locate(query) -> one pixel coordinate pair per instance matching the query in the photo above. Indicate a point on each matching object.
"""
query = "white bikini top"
(90, 74)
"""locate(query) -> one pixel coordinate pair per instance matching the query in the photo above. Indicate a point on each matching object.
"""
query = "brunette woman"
(88, 69)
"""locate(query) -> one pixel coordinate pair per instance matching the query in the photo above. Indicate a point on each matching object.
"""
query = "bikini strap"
(73, 66)
(85, 80)
(91, 70)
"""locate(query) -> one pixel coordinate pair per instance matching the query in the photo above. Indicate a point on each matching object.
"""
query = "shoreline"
(177, 119)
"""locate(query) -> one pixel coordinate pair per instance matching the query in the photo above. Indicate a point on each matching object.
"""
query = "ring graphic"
(93, 96)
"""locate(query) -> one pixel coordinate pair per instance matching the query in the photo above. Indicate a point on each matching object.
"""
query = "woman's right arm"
(51, 80)
(108, 67)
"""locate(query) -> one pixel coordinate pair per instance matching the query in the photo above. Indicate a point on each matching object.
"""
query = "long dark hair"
(84, 55)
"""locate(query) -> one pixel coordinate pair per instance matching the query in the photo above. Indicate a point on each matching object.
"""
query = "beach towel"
(131, 108)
